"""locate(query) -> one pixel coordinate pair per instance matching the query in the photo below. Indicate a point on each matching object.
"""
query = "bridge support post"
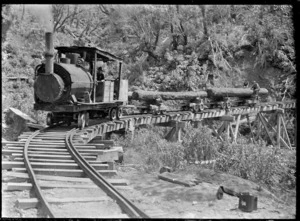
(176, 131)
(280, 120)
(131, 128)
(278, 128)
(236, 128)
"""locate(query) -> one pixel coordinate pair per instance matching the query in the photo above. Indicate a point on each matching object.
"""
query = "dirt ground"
(162, 199)
(159, 198)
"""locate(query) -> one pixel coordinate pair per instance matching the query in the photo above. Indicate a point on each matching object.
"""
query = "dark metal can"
(247, 202)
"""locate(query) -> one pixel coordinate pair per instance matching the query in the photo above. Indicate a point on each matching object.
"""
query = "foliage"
(151, 151)
(198, 144)
(257, 162)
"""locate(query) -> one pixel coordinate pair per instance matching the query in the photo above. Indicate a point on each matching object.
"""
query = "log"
(233, 92)
(152, 95)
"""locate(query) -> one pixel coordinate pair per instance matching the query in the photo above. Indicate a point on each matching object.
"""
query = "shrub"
(257, 162)
(199, 145)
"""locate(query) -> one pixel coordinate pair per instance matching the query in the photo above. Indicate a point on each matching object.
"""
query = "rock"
(17, 120)
(11, 112)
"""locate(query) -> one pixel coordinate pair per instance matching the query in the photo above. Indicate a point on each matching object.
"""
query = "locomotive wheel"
(119, 113)
(50, 119)
(113, 113)
(81, 120)
(87, 118)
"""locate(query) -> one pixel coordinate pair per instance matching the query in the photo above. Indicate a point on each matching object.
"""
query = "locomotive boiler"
(66, 85)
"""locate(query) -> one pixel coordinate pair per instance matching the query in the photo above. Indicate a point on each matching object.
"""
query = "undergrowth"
(268, 166)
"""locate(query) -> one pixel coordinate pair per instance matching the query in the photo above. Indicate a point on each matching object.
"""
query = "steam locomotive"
(70, 90)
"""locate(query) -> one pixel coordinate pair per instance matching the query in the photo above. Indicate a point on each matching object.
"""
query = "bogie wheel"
(87, 118)
(228, 105)
(113, 113)
(119, 113)
(154, 112)
(201, 107)
(50, 119)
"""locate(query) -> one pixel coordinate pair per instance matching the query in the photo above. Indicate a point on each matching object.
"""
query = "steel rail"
(33, 178)
(125, 204)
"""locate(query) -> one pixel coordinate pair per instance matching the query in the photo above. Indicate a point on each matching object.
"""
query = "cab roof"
(101, 54)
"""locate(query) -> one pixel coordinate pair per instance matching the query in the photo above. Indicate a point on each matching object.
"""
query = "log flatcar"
(68, 88)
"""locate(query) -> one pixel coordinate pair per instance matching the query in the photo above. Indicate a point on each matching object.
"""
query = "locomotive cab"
(89, 60)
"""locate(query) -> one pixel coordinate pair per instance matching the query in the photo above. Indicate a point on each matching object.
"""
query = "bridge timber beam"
(230, 118)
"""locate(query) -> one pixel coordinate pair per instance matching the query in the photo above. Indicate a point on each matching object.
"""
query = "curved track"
(41, 139)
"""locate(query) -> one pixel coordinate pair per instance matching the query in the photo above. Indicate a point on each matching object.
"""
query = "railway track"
(67, 179)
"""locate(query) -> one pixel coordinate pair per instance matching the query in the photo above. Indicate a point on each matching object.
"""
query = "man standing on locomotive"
(100, 74)
(255, 87)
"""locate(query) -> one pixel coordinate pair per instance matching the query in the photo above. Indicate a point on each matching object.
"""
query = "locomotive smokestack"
(49, 53)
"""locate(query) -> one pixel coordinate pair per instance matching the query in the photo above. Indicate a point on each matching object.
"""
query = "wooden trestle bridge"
(231, 119)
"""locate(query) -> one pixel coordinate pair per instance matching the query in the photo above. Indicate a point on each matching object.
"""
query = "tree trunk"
(152, 95)
(233, 92)
(203, 10)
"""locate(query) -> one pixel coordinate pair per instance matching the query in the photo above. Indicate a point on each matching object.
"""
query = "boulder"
(17, 120)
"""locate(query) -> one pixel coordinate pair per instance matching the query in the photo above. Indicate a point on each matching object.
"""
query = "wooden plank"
(278, 129)
(221, 129)
(25, 177)
(33, 202)
(173, 180)
(65, 172)
(28, 186)
(171, 133)
(272, 128)
(226, 118)
(215, 131)
(44, 156)
(286, 133)
(265, 126)
(9, 165)
(237, 127)
(37, 149)
(44, 160)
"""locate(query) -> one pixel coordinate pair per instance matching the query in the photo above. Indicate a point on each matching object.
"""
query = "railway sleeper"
(24, 177)
(6, 165)
(65, 172)
(47, 185)
(45, 156)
